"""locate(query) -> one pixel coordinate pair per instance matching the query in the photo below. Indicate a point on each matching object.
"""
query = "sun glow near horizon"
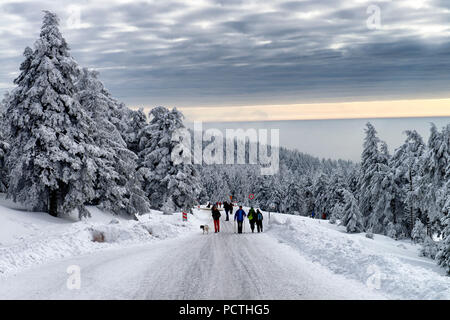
(421, 108)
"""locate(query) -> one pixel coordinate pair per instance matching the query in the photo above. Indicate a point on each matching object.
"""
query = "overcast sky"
(220, 53)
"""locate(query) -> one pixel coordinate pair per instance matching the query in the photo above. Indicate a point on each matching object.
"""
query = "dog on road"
(205, 228)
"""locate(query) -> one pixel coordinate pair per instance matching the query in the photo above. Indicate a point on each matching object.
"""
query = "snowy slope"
(31, 238)
(387, 266)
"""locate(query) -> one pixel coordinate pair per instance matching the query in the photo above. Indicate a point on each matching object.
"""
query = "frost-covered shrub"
(369, 235)
(114, 221)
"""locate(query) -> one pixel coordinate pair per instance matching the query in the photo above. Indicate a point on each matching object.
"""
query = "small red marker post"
(184, 216)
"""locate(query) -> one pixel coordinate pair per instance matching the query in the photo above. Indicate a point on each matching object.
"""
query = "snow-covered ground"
(28, 238)
(161, 257)
(391, 267)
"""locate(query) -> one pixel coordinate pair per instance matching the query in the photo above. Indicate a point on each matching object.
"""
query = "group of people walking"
(255, 218)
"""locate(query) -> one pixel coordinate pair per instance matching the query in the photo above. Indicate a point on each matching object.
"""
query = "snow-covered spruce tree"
(406, 166)
(352, 218)
(117, 185)
(443, 256)
(375, 183)
(277, 196)
(263, 190)
(337, 212)
(214, 183)
(419, 232)
(434, 164)
(369, 165)
(293, 200)
(382, 185)
(136, 120)
(49, 164)
(321, 196)
(336, 196)
(169, 186)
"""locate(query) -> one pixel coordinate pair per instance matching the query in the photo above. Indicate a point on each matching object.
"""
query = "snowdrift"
(392, 267)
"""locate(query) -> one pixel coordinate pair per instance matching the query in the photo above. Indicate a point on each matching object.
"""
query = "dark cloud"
(191, 53)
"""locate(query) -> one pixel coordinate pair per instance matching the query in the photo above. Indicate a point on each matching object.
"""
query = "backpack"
(259, 217)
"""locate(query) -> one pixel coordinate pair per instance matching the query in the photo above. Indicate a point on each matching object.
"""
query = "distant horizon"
(336, 139)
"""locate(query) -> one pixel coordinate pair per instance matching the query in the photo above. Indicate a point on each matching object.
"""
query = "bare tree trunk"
(53, 203)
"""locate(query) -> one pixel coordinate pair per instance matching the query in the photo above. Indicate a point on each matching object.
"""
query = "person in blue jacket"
(239, 217)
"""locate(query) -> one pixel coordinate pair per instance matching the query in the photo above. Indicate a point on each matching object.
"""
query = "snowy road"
(194, 266)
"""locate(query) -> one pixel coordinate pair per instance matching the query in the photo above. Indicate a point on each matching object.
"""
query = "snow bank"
(393, 267)
(31, 238)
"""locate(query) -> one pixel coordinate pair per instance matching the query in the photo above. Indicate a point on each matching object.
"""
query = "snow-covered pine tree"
(406, 167)
(214, 182)
(419, 232)
(277, 195)
(435, 164)
(136, 120)
(322, 196)
(293, 199)
(352, 218)
(307, 188)
(117, 185)
(49, 164)
(382, 185)
(375, 183)
(443, 256)
(263, 190)
(336, 197)
(169, 186)
(369, 165)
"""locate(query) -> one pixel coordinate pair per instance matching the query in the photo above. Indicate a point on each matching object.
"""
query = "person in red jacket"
(216, 217)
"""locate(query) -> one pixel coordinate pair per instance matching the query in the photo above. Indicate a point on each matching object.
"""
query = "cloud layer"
(236, 52)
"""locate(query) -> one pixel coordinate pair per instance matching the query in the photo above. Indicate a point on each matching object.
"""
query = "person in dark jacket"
(252, 218)
(216, 216)
(226, 207)
(259, 220)
(239, 217)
